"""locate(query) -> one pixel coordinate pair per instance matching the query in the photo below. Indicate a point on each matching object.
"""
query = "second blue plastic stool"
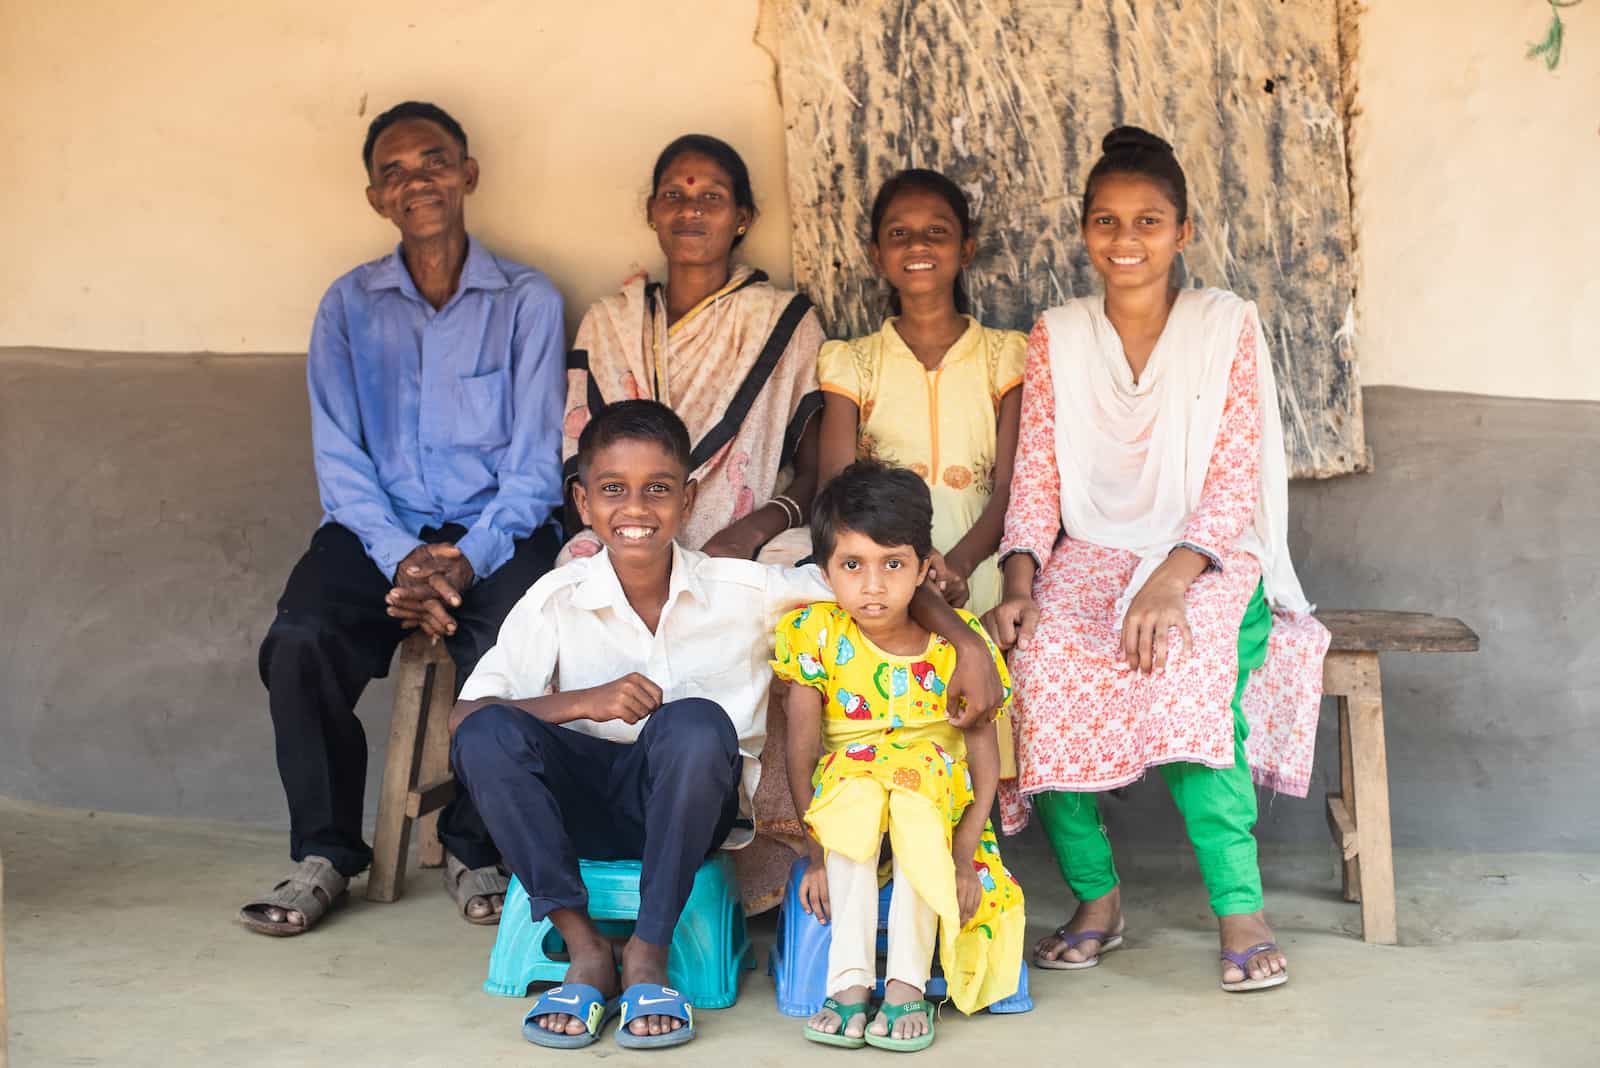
(799, 961)
(709, 947)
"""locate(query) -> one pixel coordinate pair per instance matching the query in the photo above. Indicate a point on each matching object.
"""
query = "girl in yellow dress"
(867, 692)
(933, 390)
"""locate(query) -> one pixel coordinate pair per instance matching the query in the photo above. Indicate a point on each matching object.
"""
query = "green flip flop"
(846, 1013)
(891, 1015)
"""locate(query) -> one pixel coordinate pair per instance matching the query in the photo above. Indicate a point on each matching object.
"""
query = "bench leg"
(1347, 793)
(435, 760)
(392, 839)
(1370, 774)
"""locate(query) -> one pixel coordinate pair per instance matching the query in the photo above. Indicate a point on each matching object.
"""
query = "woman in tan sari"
(736, 358)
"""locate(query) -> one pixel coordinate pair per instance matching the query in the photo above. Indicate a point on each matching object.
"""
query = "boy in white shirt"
(621, 715)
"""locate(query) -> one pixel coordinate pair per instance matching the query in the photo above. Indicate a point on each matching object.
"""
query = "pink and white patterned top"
(1084, 721)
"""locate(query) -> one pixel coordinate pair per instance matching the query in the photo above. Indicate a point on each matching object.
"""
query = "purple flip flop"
(1108, 941)
(1241, 961)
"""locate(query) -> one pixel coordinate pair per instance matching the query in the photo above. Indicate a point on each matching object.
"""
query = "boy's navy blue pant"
(550, 795)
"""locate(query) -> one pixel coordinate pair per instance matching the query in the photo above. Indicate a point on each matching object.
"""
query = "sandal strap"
(483, 882)
(585, 1003)
(663, 1001)
(892, 1013)
(464, 883)
(1242, 957)
(845, 1012)
(1073, 939)
(298, 892)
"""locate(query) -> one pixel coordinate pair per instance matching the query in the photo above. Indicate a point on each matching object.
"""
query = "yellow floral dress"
(941, 423)
(895, 764)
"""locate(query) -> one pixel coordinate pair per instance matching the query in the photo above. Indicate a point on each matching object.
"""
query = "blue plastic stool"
(799, 961)
(709, 947)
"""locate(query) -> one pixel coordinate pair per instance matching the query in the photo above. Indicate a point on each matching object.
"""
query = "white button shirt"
(575, 629)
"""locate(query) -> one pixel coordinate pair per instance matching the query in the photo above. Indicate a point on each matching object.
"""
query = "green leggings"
(1218, 808)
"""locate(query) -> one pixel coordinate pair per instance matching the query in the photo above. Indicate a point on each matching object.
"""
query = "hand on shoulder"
(975, 692)
(1011, 622)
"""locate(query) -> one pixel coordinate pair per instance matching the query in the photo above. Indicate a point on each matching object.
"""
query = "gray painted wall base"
(151, 507)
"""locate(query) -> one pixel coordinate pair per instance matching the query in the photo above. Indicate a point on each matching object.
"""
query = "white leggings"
(853, 911)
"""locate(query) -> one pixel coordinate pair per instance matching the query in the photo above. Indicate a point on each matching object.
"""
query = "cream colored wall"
(186, 176)
(1477, 182)
(181, 179)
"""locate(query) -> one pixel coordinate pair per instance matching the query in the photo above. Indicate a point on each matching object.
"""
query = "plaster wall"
(1474, 178)
(187, 177)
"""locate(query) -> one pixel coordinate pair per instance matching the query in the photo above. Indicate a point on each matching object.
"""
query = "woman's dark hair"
(921, 180)
(411, 109)
(1130, 150)
(719, 152)
(635, 420)
(890, 505)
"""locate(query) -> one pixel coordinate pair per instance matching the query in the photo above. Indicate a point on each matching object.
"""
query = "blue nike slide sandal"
(578, 1000)
(653, 999)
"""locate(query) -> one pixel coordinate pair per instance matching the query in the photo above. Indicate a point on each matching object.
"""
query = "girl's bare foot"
(1104, 913)
(1238, 933)
(911, 1025)
(827, 1021)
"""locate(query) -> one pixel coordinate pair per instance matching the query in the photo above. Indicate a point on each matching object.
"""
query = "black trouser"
(551, 795)
(332, 636)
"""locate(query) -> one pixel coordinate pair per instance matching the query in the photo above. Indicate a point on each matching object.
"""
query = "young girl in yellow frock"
(867, 692)
(933, 389)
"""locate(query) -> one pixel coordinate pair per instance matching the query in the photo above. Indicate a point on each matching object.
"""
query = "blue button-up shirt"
(422, 417)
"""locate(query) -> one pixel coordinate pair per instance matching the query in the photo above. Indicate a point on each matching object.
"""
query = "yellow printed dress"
(895, 764)
(941, 424)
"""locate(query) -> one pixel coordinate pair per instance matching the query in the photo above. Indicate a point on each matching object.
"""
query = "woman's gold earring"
(742, 229)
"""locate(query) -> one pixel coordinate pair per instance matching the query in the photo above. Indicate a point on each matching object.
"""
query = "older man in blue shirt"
(437, 381)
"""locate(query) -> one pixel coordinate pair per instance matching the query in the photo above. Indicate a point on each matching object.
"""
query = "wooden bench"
(1358, 815)
(416, 772)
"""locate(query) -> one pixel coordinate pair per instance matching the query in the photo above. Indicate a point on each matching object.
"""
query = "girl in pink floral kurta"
(1144, 543)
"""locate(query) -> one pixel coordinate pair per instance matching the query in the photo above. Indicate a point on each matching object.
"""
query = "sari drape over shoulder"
(740, 369)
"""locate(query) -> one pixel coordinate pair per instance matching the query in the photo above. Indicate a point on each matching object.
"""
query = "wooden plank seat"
(416, 772)
(1358, 815)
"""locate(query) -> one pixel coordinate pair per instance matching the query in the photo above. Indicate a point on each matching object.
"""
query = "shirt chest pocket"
(483, 410)
(716, 681)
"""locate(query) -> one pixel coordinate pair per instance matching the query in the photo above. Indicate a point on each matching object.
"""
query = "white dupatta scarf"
(1133, 456)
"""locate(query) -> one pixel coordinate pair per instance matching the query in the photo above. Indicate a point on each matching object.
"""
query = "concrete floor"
(122, 950)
